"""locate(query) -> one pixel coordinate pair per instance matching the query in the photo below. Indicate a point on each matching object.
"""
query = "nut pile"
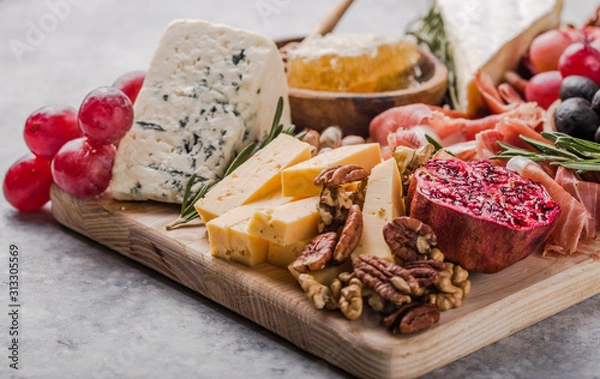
(409, 293)
(329, 139)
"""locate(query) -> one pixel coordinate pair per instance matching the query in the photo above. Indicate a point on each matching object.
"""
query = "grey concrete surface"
(88, 312)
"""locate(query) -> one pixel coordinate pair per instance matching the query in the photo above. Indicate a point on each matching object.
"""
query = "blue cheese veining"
(210, 91)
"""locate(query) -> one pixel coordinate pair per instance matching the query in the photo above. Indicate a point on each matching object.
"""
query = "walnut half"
(453, 286)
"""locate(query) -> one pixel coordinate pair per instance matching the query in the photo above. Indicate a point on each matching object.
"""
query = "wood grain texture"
(499, 305)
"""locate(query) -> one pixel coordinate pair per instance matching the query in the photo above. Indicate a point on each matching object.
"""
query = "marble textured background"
(89, 312)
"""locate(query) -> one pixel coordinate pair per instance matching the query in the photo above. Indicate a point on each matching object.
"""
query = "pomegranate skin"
(478, 243)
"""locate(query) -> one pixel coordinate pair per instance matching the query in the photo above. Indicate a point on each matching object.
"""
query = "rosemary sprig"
(569, 152)
(429, 31)
(436, 145)
(188, 211)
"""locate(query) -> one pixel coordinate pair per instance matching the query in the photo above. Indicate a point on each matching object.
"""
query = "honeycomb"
(353, 63)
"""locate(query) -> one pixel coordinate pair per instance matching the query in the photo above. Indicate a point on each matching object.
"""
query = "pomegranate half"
(486, 217)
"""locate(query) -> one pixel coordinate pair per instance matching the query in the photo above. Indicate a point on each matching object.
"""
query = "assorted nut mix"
(329, 139)
(409, 293)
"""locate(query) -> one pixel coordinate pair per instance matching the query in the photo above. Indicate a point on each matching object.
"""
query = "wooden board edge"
(432, 349)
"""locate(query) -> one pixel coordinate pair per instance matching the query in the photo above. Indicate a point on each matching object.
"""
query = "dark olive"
(597, 135)
(575, 117)
(596, 102)
(578, 86)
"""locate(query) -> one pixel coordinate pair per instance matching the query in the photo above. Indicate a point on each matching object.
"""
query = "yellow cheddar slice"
(288, 223)
(383, 203)
(283, 256)
(326, 275)
(228, 236)
(297, 181)
(257, 177)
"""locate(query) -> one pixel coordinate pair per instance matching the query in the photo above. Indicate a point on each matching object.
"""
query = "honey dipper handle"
(331, 19)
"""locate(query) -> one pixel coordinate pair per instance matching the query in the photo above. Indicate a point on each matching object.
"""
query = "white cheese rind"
(210, 91)
(492, 36)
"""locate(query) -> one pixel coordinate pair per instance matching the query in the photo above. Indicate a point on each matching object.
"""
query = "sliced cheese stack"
(257, 177)
(210, 91)
(383, 203)
(249, 217)
(492, 36)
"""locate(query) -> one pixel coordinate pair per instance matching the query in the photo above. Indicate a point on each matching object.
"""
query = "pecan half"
(337, 175)
(388, 280)
(316, 254)
(333, 208)
(350, 235)
(426, 272)
(412, 318)
(409, 239)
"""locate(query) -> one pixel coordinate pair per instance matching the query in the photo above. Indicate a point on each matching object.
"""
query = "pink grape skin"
(131, 83)
(27, 183)
(105, 115)
(544, 88)
(546, 49)
(82, 168)
(591, 33)
(50, 127)
(580, 59)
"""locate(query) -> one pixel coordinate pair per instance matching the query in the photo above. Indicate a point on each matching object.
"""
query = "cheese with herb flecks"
(210, 91)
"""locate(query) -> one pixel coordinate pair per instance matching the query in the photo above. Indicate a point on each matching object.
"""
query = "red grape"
(131, 83)
(545, 49)
(580, 59)
(82, 168)
(50, 127)
(544, 88)
(27, 183)
(105, 115)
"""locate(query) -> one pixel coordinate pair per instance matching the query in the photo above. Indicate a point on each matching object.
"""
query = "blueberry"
(575, 117)
(596, 102)
(578, 86)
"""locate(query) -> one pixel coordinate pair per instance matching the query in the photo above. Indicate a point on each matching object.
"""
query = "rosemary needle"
(567, 151)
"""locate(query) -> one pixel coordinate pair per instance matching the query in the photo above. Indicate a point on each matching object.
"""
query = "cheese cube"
(283, 256)
(244, 247)
(383, 203)
(257, 177)
(210, 91)
(297, 181)
(228, 235)
(288, 223)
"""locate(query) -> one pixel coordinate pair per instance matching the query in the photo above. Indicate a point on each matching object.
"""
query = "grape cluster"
(566, 63)
(558, 54)
(73, 148)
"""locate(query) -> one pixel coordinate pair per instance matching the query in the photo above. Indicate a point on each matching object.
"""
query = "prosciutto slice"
(587, 193)
(575, 230)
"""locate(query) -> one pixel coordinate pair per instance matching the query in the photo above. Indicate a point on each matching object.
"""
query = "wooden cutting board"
(499, 305)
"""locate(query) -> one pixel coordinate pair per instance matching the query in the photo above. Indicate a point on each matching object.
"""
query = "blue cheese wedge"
(210, 91)
(491, 36)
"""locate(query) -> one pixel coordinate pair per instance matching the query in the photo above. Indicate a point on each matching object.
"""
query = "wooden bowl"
(354, 111)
